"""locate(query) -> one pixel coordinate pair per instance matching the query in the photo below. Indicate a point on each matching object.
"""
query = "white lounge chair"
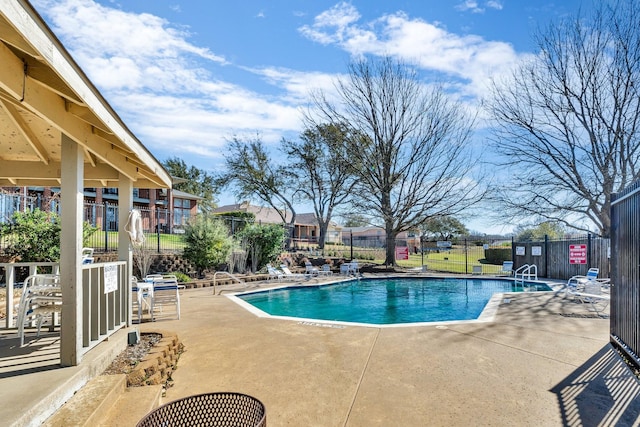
(507, 267)
(165, 294)
(594, 295)
(274, 273)
(87, 256)
(326, 270)
(293, 276)
(41, 299)
(577, 283)
(310, 269)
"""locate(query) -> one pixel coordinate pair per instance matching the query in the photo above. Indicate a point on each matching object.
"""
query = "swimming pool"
(387, 301)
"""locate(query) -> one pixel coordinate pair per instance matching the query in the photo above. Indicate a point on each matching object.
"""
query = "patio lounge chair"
(578, 283)
(507, 267)
(165, 294)
(310, 269)
(595, 295)
(326, 270)
(274, 273)
(293, 276)
(41, 298)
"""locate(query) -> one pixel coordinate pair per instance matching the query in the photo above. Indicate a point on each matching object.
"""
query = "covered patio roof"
(43, 95)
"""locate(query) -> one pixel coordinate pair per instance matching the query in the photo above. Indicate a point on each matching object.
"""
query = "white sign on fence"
(110, 278)
(520, 250)
(536, 250)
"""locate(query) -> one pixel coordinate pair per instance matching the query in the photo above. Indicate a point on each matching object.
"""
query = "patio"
(544, 361)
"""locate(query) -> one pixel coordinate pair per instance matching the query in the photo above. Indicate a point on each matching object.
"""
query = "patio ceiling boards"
(43, 94)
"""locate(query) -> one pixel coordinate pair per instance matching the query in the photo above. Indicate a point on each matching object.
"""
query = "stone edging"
(157, 366)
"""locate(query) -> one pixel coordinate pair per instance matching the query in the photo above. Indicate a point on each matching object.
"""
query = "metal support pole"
(104, 226)
(351, 242)
(158, 226)
(466, 260)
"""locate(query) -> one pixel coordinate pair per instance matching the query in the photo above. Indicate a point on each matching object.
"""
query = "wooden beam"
(9, 35)
(34, 171)
(26, 131)
(51, 108)
(12, 75)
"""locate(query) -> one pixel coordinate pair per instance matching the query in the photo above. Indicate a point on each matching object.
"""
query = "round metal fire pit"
(209, 409)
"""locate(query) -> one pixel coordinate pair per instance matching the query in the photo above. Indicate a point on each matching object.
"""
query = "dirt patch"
(127, 361)
(150, 362)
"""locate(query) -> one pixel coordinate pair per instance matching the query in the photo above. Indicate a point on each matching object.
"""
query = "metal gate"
(625, 271)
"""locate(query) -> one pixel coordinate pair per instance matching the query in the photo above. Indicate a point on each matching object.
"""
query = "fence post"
(589, 250)
(546, 256)
(158, 227)
(351, 242)
(466, 260)
(104, 225)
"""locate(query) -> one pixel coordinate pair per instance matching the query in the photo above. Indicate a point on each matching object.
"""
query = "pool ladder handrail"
(228, 274)
(526, 272)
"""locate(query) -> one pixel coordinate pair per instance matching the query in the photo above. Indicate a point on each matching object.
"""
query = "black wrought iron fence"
(625, 291)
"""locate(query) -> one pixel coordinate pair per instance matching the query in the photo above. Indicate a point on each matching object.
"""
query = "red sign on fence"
(577, 254)
(402, 252)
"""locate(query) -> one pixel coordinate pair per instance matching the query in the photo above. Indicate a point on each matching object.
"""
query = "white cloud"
(161, 85)
(470, 5)
(469, 58)
(493, 4)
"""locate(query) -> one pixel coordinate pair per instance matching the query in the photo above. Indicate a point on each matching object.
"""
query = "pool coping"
(487, 315)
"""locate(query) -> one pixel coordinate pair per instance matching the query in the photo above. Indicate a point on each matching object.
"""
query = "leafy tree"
(237, 220)
(207, 242)
(197, 182)
(254, 175)
(264, 243)
(355, 220)
(408, 146)
(32, 236)
(567, 120)
(444, 228)
(322, 175)
(553, 230)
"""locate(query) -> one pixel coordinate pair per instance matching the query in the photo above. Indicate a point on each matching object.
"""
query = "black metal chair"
(209, 409)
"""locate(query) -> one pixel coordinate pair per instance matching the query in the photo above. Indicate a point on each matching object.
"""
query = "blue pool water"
(387, 301)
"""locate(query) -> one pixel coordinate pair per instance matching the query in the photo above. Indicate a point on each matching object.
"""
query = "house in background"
(165, 209)
(375, 237)
(306, 228)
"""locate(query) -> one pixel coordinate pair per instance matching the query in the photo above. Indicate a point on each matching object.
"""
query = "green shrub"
(207, 242)
(32, 236)
(181, 276)
(497, 256)
(264, 243)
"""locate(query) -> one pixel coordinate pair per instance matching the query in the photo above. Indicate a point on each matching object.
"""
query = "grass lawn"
(451, 261)
(167, 241)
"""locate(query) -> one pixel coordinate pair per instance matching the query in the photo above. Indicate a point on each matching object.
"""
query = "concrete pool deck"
(543, 361)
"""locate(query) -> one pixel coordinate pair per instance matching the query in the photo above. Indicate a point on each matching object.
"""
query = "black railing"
(625, 253)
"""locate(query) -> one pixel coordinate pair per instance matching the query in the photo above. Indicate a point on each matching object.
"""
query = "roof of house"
(183, 195)
(268, 215)
(45, 99)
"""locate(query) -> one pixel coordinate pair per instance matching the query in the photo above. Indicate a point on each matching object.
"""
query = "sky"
(186, 76)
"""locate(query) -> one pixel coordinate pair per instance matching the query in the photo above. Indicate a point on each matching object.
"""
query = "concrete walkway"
(544, 361)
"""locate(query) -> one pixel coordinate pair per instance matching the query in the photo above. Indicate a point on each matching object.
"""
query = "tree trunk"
(390, 258)
(323, 233)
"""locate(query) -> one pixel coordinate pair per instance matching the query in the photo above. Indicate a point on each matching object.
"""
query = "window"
(181, 211)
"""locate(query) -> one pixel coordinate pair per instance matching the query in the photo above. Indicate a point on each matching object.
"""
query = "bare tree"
(408, 147)
(255, 176)
(567, 120)
(324, 178)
